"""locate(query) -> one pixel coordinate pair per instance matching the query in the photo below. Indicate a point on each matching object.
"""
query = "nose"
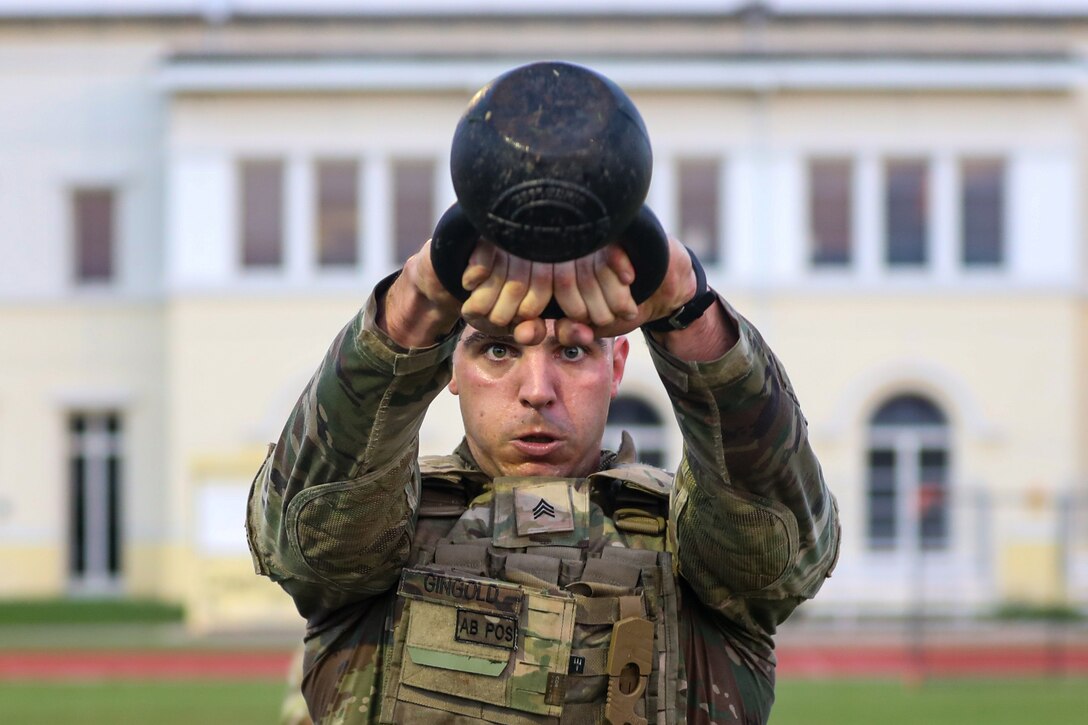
(537, 386)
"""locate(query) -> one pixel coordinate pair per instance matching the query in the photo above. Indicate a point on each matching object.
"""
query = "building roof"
(223, 9)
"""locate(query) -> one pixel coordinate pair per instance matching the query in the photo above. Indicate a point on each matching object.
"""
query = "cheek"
(481, 398)
(590, 403)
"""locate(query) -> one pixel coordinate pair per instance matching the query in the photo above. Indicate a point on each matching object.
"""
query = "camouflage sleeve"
(755, 527)
(332, 511)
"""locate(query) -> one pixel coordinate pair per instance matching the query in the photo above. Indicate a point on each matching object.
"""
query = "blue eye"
(573, 353)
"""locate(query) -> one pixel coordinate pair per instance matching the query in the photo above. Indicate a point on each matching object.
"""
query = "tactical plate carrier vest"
(544, 600)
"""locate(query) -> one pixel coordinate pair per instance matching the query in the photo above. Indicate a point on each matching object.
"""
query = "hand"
(508, 294)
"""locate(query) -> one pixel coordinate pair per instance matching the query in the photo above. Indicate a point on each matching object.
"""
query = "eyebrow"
(476, 337)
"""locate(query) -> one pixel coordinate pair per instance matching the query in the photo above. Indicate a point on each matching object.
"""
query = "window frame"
(1002, 213)
(926, 244)
(320, 263)
(714, 254)
(76, 236)
(909, 442)
(247, 265)
(851, 243)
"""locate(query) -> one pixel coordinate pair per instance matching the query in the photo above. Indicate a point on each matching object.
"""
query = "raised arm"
(332, 511)
(755, 525)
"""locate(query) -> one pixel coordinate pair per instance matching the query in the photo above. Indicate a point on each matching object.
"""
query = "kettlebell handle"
(643, 240)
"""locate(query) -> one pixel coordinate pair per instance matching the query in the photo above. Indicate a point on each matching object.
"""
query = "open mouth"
(537, 438)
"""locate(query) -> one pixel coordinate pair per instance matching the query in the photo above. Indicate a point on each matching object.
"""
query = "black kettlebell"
(551, 161)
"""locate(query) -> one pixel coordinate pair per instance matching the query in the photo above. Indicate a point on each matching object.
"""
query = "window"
(94, 230)
(94, 521)
(907, 212)
(413, 206)
(638, 418)
(699, 187)
(908, 476)
(262, 213)
(983, 212)
(337, 213)
(830, 212)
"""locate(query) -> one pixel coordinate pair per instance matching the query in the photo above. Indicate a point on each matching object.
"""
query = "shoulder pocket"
(639, 495)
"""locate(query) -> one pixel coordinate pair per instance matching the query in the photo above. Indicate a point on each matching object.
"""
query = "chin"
(538, 468)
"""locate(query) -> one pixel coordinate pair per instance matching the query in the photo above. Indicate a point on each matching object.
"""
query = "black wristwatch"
(690, 311)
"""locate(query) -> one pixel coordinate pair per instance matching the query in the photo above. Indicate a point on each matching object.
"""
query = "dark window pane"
(113, 513)
(906, 212)
(262, 213)
(933, 501)
(643, 422)
(413, 206)
(626, 409)
(77, 553)
(882, 520)
(94, 229)
(337, 213)
(909, 410)
(983, 212)
(830, 211)
(700, 198)
(652, 458)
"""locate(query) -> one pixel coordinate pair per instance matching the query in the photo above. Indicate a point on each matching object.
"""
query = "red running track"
(809, 662)
(957, 661)
(142, 665)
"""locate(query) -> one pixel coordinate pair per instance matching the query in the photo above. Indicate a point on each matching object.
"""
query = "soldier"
(531, 577)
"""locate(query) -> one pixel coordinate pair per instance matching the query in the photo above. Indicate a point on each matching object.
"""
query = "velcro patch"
(490, 629)
(543, 508)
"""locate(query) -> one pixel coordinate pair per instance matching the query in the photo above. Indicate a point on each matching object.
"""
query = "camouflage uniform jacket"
(334, 515)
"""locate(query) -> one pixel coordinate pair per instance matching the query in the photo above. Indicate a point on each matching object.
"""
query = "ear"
(620, 348)
(453, 384)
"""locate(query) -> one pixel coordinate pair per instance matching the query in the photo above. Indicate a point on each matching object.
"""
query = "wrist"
(693, 309)
(412, 317)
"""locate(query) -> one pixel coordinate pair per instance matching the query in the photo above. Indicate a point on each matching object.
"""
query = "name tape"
(479, 594)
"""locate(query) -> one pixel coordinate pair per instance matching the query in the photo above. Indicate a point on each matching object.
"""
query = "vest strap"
(595, 610)
(607, 610)
(595, 661)
(463, 556)
(582, 713)
(545, 568)
(611, 572)
(638, 557)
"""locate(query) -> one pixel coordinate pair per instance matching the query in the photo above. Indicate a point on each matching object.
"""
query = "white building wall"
(77, 113)
(212, 365)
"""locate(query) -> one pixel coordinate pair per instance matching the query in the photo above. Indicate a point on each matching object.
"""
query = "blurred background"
(195, 195)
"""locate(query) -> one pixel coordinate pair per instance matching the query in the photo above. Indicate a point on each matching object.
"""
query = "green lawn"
(141, 703)
(949, 702)
(87, 611)
(830, 702)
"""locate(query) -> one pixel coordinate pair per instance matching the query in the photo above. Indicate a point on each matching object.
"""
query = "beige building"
(195, 196)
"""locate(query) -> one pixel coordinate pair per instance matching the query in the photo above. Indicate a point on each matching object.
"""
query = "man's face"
(535, 410)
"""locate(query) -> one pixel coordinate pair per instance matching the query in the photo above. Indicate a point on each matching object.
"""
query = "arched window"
(908, 475)
(642, 421)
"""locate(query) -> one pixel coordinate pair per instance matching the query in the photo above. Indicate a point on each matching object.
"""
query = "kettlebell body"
(551, 161)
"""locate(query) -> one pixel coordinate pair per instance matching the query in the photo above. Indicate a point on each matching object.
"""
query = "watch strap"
(690, 311)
